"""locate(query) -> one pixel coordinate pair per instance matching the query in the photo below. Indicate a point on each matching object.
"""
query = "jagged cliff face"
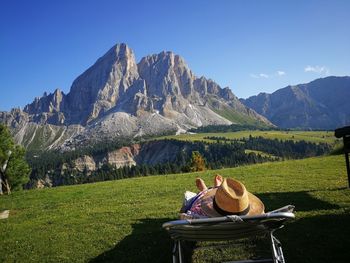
(47, 109)
(116, 97)
(104, 84)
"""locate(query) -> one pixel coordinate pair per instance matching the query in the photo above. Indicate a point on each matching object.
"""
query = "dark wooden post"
(345, 133)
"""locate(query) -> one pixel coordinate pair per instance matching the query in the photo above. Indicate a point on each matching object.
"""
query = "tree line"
(286, 149)
(232, 128)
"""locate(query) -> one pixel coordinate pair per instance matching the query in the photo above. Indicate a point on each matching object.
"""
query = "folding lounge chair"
(230, 228)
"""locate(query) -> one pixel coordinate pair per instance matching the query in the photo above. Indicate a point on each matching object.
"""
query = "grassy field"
(120, 221)
(311, 136)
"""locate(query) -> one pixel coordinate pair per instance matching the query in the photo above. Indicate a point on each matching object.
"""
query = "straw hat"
(231, 198)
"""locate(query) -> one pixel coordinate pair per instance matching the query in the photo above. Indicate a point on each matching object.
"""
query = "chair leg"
(177, 252)
(276, 246)
(174, 252)
(180, 252)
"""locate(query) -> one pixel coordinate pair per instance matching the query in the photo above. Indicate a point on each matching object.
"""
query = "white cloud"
(317, 69)
(259, 76)
(265, 76)
(278, 73)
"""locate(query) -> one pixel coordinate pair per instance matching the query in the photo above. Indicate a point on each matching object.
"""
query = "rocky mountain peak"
(164, 62)
(166, 74)
(227, 94)
(48, 103)
(56, 101)
(116, 98)
(171, 59)
(123, 56)
(98, 89)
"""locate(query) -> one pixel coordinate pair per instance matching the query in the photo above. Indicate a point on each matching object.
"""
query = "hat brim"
(256, 205)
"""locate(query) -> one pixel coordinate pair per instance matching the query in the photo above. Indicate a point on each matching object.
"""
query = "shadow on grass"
(317, 239)
(310, 239)
(302, 201)
(148, 242)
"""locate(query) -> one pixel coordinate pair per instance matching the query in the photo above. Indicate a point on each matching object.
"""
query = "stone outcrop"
(85, 163)
(43, 183)
(150, 153)
(123, 156)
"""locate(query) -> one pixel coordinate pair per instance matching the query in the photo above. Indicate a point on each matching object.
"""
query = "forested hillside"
(163, 157)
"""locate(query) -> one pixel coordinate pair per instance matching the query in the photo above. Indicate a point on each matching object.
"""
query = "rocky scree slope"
(118, 98)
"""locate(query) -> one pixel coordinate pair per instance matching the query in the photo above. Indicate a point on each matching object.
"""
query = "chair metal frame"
(230, 228)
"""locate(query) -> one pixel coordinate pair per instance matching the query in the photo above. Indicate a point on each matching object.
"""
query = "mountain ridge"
(117, 97)
(319, 104)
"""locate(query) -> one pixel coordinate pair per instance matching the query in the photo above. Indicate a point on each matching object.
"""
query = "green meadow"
(120, 221)
(310, 136)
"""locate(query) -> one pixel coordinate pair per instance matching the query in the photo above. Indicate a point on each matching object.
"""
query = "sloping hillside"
(120, 221)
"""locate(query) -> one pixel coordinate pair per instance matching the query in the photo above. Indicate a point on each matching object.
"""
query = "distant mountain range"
(117, 98)
(321, 104)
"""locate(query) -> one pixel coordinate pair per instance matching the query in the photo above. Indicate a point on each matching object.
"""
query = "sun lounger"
(230, 228)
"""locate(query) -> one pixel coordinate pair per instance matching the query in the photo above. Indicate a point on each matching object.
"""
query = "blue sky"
(250, 46)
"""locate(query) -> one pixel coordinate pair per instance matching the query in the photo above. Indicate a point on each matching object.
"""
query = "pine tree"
(197, 162)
